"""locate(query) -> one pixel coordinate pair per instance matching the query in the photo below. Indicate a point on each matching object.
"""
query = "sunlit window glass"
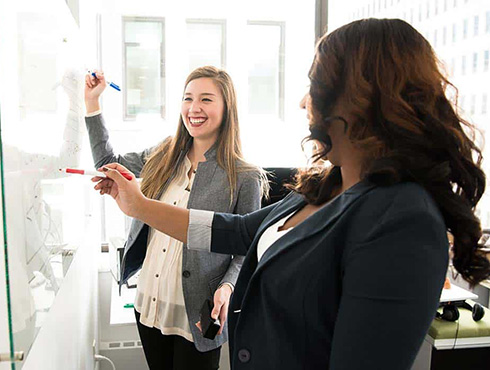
(144, 91)
(206, 43)
(265, 46)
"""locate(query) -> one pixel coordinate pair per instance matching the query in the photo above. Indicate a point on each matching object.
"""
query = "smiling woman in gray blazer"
(200, 167)
(346, 272)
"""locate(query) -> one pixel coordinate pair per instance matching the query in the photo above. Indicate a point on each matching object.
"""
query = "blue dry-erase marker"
(111, 84)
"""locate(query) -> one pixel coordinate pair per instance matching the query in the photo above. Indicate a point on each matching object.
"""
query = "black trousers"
(172, 352)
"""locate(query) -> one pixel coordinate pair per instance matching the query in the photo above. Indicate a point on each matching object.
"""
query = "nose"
(305, 103)
(195, 106)
(302, 103)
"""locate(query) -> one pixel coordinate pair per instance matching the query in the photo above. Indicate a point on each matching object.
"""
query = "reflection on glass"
(265, 55)
(41, 132)
(206, 43)
(144, 72)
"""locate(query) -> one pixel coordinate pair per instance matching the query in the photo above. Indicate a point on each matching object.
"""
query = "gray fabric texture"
(203, 271)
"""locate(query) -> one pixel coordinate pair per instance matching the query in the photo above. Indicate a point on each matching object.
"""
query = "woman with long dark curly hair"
(346, 271)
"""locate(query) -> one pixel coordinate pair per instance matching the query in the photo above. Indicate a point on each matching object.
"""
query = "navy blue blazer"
(354, 286)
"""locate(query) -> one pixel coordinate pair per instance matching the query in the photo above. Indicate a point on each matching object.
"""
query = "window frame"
(214, 21)
(163, 96)
(281, 63)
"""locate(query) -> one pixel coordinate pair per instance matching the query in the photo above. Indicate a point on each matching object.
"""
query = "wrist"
(92, 105)
(142, 204)
(226, 286)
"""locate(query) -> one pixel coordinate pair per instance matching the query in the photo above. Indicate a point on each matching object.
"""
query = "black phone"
(209, 326)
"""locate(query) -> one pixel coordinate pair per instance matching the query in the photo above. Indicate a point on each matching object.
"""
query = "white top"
(270, 235)
(159, 296)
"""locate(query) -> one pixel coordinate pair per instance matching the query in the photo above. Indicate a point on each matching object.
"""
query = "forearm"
(170, 220)
(92, 105)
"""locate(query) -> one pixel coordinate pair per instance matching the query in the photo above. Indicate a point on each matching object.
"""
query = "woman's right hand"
(93, 89)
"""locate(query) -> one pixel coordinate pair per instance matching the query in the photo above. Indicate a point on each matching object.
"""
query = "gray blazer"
(202, 272)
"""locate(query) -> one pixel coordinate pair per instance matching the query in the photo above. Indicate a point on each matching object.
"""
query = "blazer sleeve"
(224, 232)
(248, 200)
(102, 151)
(391, 286)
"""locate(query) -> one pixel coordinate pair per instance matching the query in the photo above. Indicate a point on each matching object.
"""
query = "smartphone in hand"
(209, 326)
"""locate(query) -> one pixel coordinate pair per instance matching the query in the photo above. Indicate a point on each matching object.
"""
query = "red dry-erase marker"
(77, 171)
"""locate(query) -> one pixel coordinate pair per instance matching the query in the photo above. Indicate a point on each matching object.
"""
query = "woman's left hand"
(221, 303)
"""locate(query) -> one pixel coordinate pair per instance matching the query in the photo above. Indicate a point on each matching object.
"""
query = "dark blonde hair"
(163, 161)
(386, 76)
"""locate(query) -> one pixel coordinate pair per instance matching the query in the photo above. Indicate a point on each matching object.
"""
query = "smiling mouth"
(196, 122)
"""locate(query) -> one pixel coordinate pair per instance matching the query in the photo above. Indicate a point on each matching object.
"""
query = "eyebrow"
(186, 94)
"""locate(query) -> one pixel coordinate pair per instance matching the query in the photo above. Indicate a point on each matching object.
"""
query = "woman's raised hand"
(93, 89)
(125, 192)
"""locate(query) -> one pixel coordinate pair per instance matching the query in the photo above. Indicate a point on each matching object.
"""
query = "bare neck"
(351, 175)
(198, 148)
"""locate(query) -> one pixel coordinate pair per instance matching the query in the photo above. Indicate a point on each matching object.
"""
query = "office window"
(444, 35)
(454, 33)
(487, 25)
(428, 10)
(144, 73)
(484, 101)
(436, 7)
(445, 5)
(463, 65)
(486, 60)
(473, 104)
(435, 38)
(265, 56)
(210, 49)
(455, 3)
(411, 16)
(476, 20)
(475, 62)
(465, 28)
(420, 12)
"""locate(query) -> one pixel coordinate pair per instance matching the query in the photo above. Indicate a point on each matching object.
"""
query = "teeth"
(196, 120)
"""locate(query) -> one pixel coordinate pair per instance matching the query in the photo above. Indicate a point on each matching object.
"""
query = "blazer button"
(244, 355)
(186, 274)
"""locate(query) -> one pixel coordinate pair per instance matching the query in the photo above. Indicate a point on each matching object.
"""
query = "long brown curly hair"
(407, 129)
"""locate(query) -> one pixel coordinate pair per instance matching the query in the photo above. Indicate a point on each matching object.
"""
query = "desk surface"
(121, 315)
(467, 332)
(455, 293)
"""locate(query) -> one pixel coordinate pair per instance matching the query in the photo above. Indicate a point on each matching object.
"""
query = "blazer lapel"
(322, 219)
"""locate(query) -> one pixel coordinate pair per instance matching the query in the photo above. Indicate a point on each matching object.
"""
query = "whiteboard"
(41, 121)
